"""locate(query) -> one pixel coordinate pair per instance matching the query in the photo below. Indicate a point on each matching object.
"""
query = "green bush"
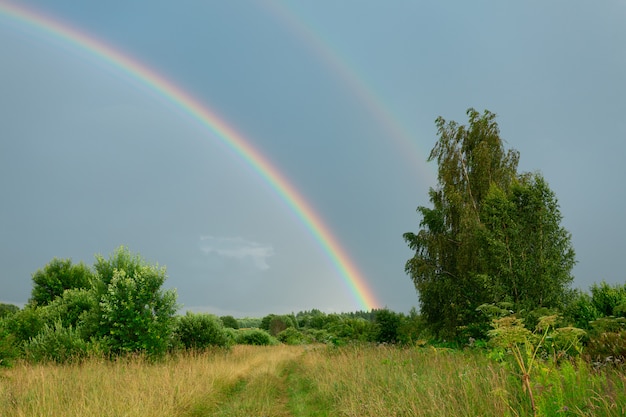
(26, 323)
(257, 337)
(56, 277)
(70, 307)
(9, 349)
(199, 331)
(8, 309)
(56, 344)
(608, 299)
(133, 313)
(581, 311)
(291, 336)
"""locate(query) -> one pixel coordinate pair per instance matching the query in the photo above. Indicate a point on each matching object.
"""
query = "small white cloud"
(237, 248)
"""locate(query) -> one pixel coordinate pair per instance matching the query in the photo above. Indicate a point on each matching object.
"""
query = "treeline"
(118, 307)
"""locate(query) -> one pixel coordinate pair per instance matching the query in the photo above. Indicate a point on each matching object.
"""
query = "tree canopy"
(491, 234)
(57, 276)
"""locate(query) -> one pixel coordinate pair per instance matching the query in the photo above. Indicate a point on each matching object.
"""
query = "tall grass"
(309, 381)
(387, 381)
(188, 385)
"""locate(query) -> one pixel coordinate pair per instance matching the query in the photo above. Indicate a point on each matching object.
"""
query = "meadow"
(310, 380)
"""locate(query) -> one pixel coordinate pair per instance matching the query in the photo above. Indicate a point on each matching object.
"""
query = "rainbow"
(338, 66)
(217, 126)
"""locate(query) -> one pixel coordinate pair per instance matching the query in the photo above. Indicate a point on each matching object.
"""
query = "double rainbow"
(218, 129)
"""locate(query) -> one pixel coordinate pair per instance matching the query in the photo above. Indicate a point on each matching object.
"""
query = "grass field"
(308, 381)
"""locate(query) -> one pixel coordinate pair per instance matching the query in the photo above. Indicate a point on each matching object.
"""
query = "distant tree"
(265, 322)
(492, 235)
(133, 313)
(8, 309)
(57, 276)
(230, 322)
(249, 322)
(279, 323)
(388, 324)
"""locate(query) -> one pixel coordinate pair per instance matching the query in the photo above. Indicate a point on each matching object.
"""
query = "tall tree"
(527, 253)
(454, 268)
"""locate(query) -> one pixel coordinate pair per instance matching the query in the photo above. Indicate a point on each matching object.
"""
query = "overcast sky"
(340, 96)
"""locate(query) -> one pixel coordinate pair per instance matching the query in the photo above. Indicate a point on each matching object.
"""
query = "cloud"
(237, 248)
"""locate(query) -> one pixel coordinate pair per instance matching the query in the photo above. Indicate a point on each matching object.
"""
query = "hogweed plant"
(509, 334)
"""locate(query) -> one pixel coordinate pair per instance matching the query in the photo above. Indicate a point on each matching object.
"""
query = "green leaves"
(57, 276)
(133, 313)
(491, 235)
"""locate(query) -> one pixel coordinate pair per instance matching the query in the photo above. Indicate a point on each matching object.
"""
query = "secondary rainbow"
(219, 129)
(339, 66)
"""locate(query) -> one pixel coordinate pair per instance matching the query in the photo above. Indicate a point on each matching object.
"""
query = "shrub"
(291, 336)
(70, 307)
(608, 298)
(8, 309)
(133, 313)
(254, 337)
(199, 331)
(56, 344)
(9, 349)
(26, 323)
(581, 311)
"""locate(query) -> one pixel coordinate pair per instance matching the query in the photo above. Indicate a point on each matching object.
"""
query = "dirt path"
(261, 388)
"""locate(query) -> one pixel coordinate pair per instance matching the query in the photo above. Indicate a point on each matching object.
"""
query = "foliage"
(70, 308)
(9, 349)
(56, 277)
(353, 329)
(609, 300)
(26, 323)
(608, 348)
(279, 323)
(56, 344)
(8, 309)
(133, 312)
(387, 326)
(492, 235)
(249, 322)
(291, 336)
(199, 331)
(528, 256)
(580, 310)
(230, 322)
(257, 337)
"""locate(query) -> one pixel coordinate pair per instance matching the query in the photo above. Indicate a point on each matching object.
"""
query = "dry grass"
(188, 385)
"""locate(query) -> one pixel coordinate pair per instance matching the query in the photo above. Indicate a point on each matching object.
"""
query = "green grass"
(308, 381)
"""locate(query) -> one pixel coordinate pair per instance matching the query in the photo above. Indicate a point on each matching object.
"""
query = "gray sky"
(340, 96)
